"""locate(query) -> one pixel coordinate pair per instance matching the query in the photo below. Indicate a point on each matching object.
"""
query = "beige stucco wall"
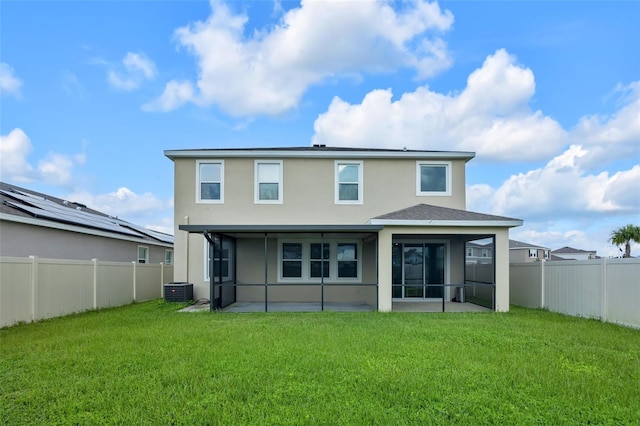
(20, 239)
(308, 196)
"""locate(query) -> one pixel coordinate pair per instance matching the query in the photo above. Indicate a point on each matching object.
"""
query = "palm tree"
(625, 235)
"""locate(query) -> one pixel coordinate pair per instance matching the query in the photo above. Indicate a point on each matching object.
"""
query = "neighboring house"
(331, 224)
(478, 252)
(570, 253)
(520, 252)
(35, 224)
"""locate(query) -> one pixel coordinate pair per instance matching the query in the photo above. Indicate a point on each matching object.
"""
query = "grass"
(147, 364)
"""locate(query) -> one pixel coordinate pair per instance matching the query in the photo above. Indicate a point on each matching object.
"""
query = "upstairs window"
(168, 257)
(268, 182)
(469, 252)
(485, 253)
(533, 253)
(210, 188)
(433, 178)
(546, 254)
(348, 181)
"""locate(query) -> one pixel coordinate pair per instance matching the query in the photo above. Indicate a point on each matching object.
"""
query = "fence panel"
(147, 282)
(114, 284)
(15, 290)
(574, 287)
(623, 291)
(64, 286)
(525, 284)
(608, 289)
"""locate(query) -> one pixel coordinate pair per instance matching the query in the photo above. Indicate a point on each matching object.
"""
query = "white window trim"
(446, 193)
(336, 179)
(165, 257)
(199, 200)
(146, 259)
(533, 253)
(469, 251)
(256, 184)
(333, 261)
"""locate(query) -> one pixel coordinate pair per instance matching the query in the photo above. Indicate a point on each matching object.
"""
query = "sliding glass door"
(418, 268)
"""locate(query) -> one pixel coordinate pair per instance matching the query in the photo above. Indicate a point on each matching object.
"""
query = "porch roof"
(430, 215)
(279, 229)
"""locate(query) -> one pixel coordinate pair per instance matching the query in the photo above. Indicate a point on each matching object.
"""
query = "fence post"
(603, 284)
(134, 280)
(95, 283)
(161, 279)
(34, 288)
(542, 284)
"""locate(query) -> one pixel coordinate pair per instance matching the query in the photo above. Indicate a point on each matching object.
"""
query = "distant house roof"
(317, 151)
(17, 203)
(430, 215)
(513, 244)
(571, 250)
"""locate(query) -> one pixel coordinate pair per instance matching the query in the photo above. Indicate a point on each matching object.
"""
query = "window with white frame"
(347, 260)
(533, 253)
(168, 257)
(469, 252)
(210, 185)
(546, 254)
(485, 253)
(312, 260)
(348, 182)
(319, 260)
(433, 178)
(268, 182)
(222, 264)
(143, 254)
(292, 260)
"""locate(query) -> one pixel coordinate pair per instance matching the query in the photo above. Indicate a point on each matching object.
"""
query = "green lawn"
(147, 364)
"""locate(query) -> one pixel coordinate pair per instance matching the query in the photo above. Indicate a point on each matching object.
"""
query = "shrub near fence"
(608, 289)
(32, 288)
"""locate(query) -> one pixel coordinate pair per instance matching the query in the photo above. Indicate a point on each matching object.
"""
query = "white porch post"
(502, 270)
(384, 271)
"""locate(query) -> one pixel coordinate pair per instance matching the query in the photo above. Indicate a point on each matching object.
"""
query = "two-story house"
(322, 224)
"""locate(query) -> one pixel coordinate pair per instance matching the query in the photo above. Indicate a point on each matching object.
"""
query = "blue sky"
(546, 93)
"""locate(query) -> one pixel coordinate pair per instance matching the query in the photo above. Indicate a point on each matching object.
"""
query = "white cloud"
(15, 148)
(268, 71)
(175, 94)
(562, 188)
(142, 209)
(137, 68)
(9, 83)
(615, 136)
(490, 116)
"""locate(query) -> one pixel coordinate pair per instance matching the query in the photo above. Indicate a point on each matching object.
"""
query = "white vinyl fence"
(608, 289)
(32, 288)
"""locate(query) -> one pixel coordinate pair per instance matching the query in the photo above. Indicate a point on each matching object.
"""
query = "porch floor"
(437, 307)
(297, 307)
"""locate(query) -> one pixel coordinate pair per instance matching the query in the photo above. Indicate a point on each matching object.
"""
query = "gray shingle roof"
(431, 212)
(513, 244)
(572, 250)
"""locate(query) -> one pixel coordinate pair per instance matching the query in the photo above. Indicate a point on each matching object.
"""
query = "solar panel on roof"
(149, 232)
(45, 208)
